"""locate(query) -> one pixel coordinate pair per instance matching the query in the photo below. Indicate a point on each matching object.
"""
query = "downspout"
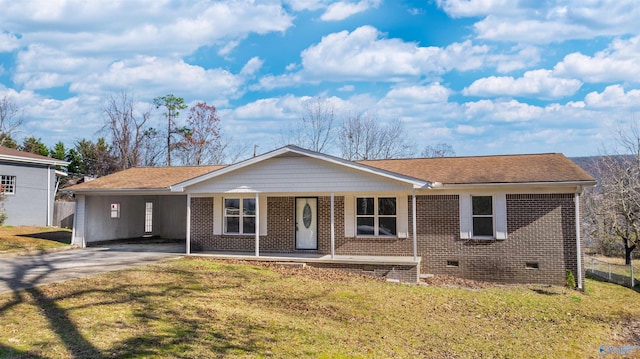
(48, 196)
(576, 199)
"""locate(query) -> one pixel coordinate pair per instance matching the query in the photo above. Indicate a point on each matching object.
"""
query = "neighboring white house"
(29, 183)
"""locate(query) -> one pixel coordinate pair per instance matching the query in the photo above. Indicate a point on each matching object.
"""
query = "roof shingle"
(548, 167)
(144, 178)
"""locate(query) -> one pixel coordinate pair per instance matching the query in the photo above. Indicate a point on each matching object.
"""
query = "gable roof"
(13, 155)
(144, 178)
(291, 150)
(534, 168)
(421, 172)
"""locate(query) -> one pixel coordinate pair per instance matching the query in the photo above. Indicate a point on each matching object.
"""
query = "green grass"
(26, 238)
(198, 308)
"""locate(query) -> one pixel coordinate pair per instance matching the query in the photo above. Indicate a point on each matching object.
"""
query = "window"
(148, 217)
(376, 216)
(8, 184)
(482, 216)
(240, 215)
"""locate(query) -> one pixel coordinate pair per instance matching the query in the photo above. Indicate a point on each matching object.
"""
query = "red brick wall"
(541, 230)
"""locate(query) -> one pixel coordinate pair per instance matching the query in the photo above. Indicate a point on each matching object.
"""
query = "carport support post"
(188, 224)
(257, 224)
(415, 235)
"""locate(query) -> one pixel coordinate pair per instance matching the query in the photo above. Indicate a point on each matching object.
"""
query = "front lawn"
(200, 308)
(25, 238)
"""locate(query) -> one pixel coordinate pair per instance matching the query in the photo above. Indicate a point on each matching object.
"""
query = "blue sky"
(486, 76)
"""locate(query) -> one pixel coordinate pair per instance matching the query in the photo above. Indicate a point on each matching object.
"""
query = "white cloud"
(546, 21)
(502, 111)
(614, 97)
(473, 8)
(619, 62)
(343, 9)
(252, 66)
(366, 55)
(537, 83)
(8, 42)
(156, 28)
(154, 76)
(434, 93)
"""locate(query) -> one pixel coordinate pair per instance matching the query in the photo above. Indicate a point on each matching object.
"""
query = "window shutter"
(501, 216)
(465, 216)
(402, 216)
(217, 215)
(349, 216)
(263, 215)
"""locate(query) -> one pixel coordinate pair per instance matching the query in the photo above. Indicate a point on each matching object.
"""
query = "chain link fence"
(627, 275)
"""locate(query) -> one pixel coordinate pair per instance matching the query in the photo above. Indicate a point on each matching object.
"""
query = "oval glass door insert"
(306, 215)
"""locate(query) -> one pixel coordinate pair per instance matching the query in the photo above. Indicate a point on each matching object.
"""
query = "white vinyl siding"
(297, 175)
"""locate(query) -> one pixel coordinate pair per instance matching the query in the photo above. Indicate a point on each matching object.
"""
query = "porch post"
(333, 236)
(257, 224)
(415, 235)
(576, 199)
(188, 239)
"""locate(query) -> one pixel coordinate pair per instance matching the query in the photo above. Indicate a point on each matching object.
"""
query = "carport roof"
(144, 178)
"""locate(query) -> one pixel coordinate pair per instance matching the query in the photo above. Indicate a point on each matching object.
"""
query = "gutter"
(578, 184)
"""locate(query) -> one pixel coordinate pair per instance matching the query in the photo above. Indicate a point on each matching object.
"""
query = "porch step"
(292, 264)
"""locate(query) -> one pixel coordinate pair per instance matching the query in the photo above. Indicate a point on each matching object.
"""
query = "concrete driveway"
(29, 271)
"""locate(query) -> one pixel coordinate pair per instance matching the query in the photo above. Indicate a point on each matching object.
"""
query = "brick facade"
(539, 248)
(540, 244)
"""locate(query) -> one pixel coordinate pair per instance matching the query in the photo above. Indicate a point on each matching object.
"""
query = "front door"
(307, 223)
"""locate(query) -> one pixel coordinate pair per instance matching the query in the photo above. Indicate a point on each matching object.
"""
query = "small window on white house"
(240, 215)
(8, 184)
(115, 210)
(482, 216)
(148, 217)
(376, 216)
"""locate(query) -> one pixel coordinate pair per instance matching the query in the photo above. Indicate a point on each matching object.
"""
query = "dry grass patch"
(27, 238)
(197, 308)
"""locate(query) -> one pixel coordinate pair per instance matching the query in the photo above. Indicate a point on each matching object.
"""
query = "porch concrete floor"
(312, 257)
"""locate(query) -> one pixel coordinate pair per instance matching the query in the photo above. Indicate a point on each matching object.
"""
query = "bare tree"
(438, 150)
(126, 127)
(361, 137)
(11, 118)
(315, 130)
(202, 141)
(612, 208)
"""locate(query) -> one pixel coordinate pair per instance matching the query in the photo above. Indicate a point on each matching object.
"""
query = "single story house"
(513, 218)
(29, 183)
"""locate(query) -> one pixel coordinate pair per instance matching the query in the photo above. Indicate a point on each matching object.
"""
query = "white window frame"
(8, 181)
(376, 216)
(241, 215)
(499, 207)
(148, 217)
(492, 216)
